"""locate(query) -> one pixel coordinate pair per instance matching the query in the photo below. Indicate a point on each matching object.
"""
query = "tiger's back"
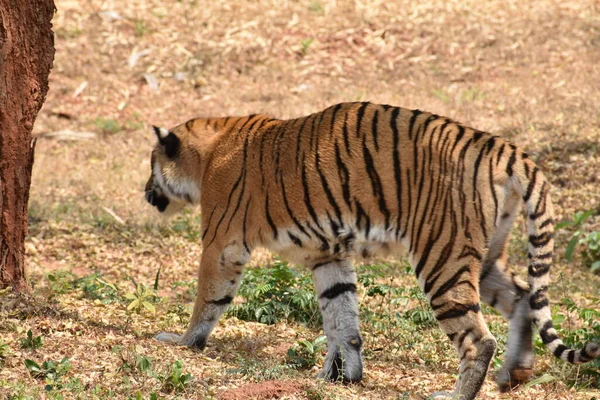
(359, 179)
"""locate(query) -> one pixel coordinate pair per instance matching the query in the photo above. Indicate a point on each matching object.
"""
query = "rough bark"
(26, 55)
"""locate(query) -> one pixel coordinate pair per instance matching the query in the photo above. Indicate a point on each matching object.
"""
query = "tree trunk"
(26, 55)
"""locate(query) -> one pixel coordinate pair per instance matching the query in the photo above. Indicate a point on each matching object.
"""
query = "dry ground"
(527, 70)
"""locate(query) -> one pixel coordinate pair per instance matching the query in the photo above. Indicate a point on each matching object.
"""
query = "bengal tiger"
(359, 179)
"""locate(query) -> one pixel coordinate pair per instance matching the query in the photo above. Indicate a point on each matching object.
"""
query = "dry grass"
(528, 70)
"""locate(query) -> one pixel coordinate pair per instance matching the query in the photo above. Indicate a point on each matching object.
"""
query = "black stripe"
(583, 355)
(460, 311)
(321, 264)
(289, 210)
(541, 200)
(476, 170)
(242, 191)
(299, 139)
(493, 190)
(538, 269)
(560, 349)
(338, 289)
(208, 223)
(531, 185)
(346, 135)
(546, 223)
(335, 111)
(295, 239)
(500, 152)
(244, 226)
(307, 202)
(360, 214)
(374, 129)
(449, 284)
(541, 240)
(269, 219)
(540, 256)
(222, 301)
(538, 300)
(411, 124)
(344, 176)
(511, 160)
(359, 116)
(376, 183)
(571, 356)
(397, 169)
(546, 337)
(327, 189)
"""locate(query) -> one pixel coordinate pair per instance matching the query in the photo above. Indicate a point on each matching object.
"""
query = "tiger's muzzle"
(157, 200)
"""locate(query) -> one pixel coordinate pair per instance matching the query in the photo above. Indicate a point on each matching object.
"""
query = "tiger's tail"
(535, 191)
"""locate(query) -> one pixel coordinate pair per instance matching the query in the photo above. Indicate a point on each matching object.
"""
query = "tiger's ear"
(167, 140)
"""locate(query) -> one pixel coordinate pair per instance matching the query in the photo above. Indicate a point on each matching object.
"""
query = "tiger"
(358, 180)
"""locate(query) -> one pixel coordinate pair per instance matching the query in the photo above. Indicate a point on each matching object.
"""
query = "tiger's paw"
(337, 369)
(168, 337)
(507, 381)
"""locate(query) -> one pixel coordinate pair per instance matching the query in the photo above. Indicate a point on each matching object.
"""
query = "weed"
(591, 252)
(442, 95)
(95, 287)
(577, 224)
(107, 125)
(305, 354)
(143, 297)
(31, 342)
(175, 380)
(4, 351)
(260, 371)
(276, 293)
(316, 6)
(141, 28)
(305, 44)
(50, 371)
(60, 281)
(188, 226)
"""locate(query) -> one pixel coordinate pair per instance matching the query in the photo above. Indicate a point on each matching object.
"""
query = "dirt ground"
(526, 70)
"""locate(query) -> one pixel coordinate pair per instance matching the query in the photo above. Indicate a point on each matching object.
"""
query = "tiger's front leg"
(219, 278)
(335, 284)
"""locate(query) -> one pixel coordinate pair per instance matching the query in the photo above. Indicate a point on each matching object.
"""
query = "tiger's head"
(177, 164)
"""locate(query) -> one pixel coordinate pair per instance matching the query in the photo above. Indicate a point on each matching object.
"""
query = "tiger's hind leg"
(453, 294)
(335, 284)
(501, 289)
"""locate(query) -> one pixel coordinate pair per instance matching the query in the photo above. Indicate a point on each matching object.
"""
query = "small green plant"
(139, 396)
(188, 226)
(577, 224)
(591, 252)
(30, 342)
(175, 380)
(95, 287)
(4, 351)
(305, 44)
(141, 298)
(305, 354)
(60, 281)
(50, 371)
(141, 28)
(276, 293)
(143, 364)
(258, 370)
(316, 6)
(107, 125)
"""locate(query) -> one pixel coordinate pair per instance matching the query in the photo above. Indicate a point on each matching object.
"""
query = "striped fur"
(359, 179)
